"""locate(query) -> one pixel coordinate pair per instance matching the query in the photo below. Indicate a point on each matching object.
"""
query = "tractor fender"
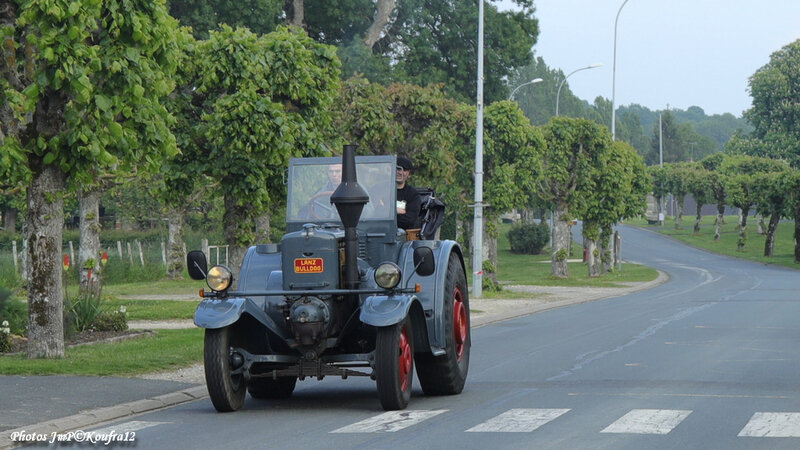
(385, 310)
(221, 313)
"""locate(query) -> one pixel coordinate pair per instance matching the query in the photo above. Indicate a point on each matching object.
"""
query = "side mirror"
(424, 262)
(196, 265)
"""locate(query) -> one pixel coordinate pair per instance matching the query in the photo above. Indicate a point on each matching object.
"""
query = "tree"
(658, 175)
(616, 190)
(773, 202)
(678, 185)
(511, 165)
(257, 101)
(740, 184)
(698, 183)
(716, 180)
(81, 87)
(435, 42)
(775, 89)
(260, 16)
(574, 147)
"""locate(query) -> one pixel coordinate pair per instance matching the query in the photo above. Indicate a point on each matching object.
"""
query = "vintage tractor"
(345, 293)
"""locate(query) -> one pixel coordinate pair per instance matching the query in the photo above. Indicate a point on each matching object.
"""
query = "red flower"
(65, 262)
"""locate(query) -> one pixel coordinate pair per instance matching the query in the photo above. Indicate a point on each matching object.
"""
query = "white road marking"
(776, 424)
(519, 420)
(389, 422)
(648, 421)
(126, 427)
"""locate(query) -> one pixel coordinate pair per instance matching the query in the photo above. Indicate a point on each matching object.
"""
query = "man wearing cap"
(409, 201)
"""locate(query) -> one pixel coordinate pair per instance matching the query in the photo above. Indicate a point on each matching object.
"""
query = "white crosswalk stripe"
(776, 424)
(648, 421)
(521, 420)
(389, 422)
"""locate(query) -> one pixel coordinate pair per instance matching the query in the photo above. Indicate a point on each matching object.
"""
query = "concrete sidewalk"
(42, 405)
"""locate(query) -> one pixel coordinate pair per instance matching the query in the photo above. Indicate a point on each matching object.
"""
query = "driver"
(319, 206)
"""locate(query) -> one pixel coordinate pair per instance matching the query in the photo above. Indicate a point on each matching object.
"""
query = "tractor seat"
(431, 214)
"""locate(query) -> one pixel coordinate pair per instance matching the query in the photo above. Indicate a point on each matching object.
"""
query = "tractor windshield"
(312, 181)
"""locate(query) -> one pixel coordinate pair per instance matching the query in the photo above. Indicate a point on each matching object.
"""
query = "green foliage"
(260, 16)
(253, 102)
(13, 311)
(775, 89)
(529, 238)
(83, 310)
(111, 321)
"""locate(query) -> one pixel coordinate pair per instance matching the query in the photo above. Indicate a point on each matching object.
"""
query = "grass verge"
(164, 350)
(783, 251)
(155, 309)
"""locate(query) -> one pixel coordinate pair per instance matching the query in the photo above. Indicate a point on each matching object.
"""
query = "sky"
(670, 53)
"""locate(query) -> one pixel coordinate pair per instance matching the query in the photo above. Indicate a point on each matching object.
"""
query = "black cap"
(405, 163)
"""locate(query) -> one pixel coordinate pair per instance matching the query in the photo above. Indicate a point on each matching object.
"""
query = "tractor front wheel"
(226, 384)
(394, 364)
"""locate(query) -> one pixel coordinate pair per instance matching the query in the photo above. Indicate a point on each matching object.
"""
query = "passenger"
(409, 201)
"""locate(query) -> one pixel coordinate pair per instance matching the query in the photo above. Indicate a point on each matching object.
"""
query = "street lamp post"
(558, 94)
(477, 232)
(535, 80)
(614, 78)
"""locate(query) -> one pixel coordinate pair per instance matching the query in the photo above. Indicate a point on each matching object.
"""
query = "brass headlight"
(388, 275)
(219, 278)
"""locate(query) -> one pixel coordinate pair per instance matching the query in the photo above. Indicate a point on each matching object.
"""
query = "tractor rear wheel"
(446, 374)
(394, 364)
(226, 384)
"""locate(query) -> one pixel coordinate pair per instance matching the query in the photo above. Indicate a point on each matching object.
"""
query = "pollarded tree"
(698, 184)
(716, 180)
(658, 175)
(772, 201)
(572, 152)
(677, 185)
(511, 166)
(81, 88)
(256, 101)
(740, 184)
(790, 180)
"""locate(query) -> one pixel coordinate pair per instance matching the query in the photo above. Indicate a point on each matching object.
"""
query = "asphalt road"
(709, 359)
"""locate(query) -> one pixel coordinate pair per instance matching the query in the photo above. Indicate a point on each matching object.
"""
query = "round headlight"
(388, 275)
(219, 278)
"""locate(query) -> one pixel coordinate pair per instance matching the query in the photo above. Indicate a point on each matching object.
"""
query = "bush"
(14, 311)
(528, 238)
(111, 321)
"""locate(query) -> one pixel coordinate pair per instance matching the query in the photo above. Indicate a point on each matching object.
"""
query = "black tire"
(446, 374)
(394, 364)
(226, 389)
(269, 388)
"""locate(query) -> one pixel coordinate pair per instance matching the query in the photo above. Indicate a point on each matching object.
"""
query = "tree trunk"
(560, 251)
(237, 228)
(175, 256)
(742, 227)
(298, 18)
(679, 213)
(45, 220)
(606, 261)
(698, 216)
(718, 222)
(383, 11)
(263, 228)
(490, 253)
(769, 242)
(89, 250)
(797, 233)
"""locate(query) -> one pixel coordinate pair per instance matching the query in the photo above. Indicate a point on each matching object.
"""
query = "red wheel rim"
(459, 323)
(404, 359)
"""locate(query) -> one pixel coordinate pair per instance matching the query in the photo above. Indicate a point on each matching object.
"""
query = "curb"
(96, 416)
